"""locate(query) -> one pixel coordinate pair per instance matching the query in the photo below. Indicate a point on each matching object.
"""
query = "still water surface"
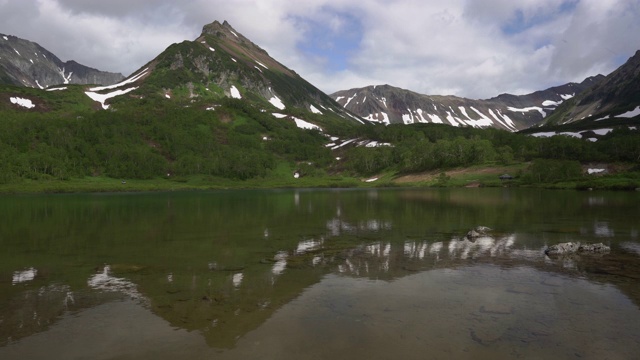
(318, 274)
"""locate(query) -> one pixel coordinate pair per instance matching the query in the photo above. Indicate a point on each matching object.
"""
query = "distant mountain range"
(25, 63)
(221, 62)
(391, 105)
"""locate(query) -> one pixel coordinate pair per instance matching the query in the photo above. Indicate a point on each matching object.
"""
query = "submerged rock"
(569, 248)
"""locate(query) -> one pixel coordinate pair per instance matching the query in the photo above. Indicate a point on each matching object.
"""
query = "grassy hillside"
(151, 143)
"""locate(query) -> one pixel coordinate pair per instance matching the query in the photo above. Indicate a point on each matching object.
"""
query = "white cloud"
(474, 48)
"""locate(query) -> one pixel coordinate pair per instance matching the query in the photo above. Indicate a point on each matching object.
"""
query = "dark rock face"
(25, 63)
(570, 248)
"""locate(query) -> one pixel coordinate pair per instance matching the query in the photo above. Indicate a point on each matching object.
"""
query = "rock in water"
(569, 248)
(477, 232)
(594, 248)
(562, 248)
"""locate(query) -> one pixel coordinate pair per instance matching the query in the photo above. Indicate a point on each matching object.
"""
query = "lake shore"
(477, 176)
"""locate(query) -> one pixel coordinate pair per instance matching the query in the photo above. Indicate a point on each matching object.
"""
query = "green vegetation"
(545, 162)
(153, 143)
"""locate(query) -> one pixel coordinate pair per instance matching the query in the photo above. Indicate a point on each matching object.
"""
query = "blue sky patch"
(519, 24)
(335, 44)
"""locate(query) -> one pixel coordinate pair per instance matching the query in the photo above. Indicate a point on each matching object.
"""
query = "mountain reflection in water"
(311, 267)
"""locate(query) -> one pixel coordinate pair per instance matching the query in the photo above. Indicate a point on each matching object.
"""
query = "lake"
(318, 274)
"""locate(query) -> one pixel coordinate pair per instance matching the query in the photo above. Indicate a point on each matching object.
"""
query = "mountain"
(217, 106)
(618, 95)
(222, 63)
(25, 63)
(387, 104)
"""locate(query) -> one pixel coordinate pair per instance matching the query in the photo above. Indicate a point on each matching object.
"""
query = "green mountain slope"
(218, 107)
(617, 96)
(222, 63)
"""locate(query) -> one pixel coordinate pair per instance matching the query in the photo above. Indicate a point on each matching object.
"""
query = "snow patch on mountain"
(508, 120)
(602, 131)
(500, 121)
(567, 96)
(58, 89)
(275, 101)
(26, 103)
(376, 118)
(435, 119)
(349, 100)
(306, 125)
(420, 117)
(343, 144)
(553, 133)
(527, 109)
(356, 119)
(125, 82)
(279, 116)
(578, 135)
(261, 64)
(373, 144)
(630, 114)
(315, 110)
(485, 121)
(463, 110)
(101, 98)
(65, 78)
(452, 120)
(551, 103)
(235, 93)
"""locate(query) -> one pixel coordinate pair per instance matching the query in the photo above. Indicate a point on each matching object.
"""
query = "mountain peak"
(219, 30)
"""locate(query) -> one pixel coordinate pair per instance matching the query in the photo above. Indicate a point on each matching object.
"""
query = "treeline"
(155, 138)
(427, 147)
(234, 141)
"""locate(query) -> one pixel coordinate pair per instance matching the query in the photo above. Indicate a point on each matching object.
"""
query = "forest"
(238, 141)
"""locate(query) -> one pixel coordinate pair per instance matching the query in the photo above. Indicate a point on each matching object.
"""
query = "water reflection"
(281, 263)
(223, 265)
(104, 281)
(24, 276)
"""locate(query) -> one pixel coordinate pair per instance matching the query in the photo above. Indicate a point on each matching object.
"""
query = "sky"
(470, 48)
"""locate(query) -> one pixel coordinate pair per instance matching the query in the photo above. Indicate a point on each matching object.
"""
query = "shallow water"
(315, 274)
